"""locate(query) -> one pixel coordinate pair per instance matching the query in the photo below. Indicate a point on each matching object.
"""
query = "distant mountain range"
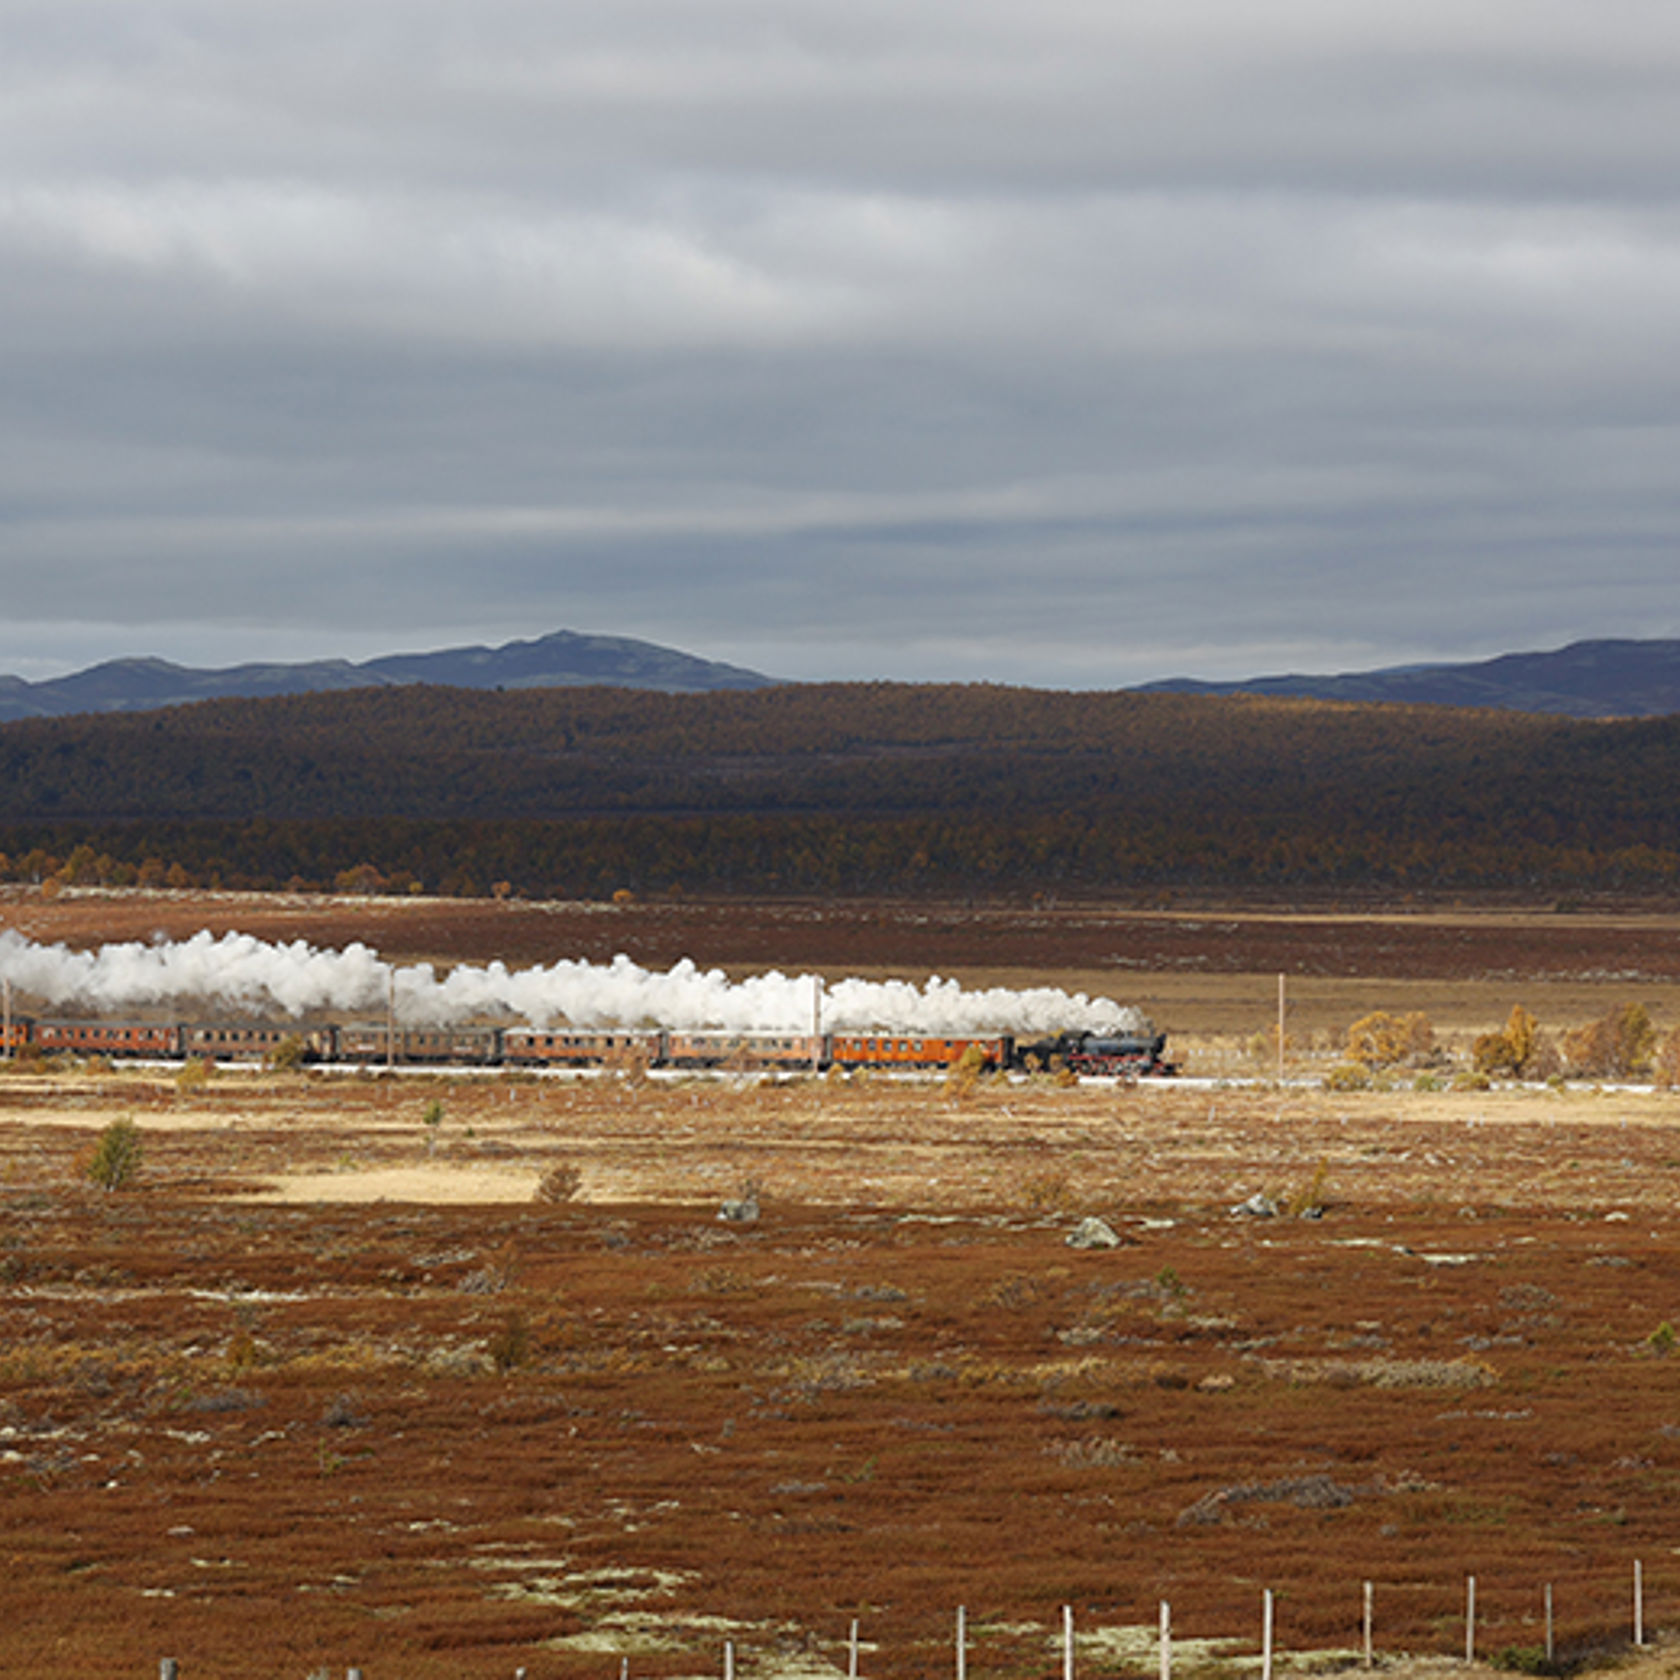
(1593, 679)
(562, 660)
(1598, 679)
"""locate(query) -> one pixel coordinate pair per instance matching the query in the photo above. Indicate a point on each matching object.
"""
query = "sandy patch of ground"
(438, 1186)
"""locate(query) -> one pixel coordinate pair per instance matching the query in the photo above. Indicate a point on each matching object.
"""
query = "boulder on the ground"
(1093, 1233)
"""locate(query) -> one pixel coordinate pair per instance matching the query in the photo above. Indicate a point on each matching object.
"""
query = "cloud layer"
(1061, 344)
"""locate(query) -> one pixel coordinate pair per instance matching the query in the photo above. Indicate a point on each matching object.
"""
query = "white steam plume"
(241, 973)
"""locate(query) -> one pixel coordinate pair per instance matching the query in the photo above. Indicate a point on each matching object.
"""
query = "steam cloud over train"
(239, 998)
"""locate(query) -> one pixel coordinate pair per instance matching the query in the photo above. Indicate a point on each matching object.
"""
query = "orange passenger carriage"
(867, 1050)
(107, 1038)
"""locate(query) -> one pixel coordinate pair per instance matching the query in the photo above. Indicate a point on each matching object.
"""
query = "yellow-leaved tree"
(1384, 1040)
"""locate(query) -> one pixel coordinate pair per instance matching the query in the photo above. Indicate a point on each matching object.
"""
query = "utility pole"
(1280, 1030)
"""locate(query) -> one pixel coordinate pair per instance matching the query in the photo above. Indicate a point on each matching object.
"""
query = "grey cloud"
(1063, 345)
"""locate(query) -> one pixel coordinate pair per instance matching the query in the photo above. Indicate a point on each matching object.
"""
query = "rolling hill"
(1593, 679)
(564, 659)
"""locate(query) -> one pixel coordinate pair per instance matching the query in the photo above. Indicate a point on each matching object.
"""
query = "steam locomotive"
(381, 1043)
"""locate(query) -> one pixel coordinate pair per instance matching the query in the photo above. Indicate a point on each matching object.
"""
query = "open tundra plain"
(445, 1375)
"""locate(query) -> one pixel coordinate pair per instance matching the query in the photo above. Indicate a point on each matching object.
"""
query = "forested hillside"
(840, 788)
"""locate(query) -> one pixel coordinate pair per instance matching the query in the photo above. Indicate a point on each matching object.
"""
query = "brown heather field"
(328, 1386)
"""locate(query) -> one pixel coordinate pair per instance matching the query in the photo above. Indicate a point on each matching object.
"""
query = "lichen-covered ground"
(459, 1430)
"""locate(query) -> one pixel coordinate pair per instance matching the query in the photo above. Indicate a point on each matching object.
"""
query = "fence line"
(169, 1667)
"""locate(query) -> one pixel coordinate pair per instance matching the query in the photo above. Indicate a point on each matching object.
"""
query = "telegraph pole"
(1280, 1031)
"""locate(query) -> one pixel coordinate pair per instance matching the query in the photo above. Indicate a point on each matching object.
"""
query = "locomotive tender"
(371, 1043)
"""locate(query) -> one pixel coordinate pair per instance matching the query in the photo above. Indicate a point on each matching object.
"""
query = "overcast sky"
(1067, 342)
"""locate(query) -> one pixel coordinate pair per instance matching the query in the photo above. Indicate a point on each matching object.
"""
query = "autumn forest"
(838, 789)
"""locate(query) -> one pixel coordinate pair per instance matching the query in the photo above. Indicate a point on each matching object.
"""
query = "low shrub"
(1312, 1198)
(1348, 1076)
(343, 1412)
(287, 1056)
(1526, 1659)
(194, 1076)
(965, 1073)
(1665, 1063)
(510, 1347)
(1047, 1190)
(115, 1159)
(559, 1184)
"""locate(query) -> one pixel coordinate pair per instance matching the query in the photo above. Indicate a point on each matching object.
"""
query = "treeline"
(594, 858)
(836, 789)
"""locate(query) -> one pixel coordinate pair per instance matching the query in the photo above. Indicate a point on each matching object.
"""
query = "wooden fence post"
(1166, 1640)
(1266, 1635)
(1470, 1618)
(1370, 1650)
